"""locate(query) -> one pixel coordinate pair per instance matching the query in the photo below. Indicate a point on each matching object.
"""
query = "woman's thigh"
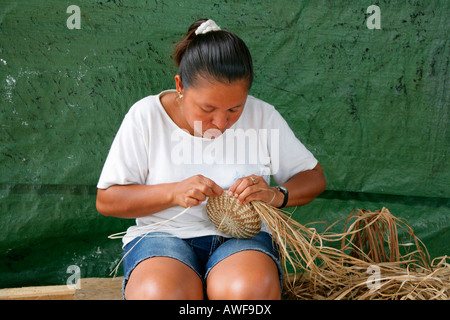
(163, 278)
(160, 266)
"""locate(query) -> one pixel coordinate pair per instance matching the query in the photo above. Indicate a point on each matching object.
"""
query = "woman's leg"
(244, 275)
(165, 279)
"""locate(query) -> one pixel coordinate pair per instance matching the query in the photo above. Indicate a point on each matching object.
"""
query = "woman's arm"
(303, 188)
(134, 201)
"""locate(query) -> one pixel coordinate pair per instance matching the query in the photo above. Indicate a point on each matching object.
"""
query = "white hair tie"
(206, 27)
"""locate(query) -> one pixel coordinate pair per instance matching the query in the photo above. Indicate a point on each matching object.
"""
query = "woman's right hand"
(193, 191)
(134, 201)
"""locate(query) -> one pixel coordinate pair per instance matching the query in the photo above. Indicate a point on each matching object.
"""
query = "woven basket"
(234, 219)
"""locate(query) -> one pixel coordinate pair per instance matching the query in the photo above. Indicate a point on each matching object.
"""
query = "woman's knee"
(154, 288)
(250, 279)
(243, 288)
(163, 280)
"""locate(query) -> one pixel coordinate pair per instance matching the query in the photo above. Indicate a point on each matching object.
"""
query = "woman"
(176, 149)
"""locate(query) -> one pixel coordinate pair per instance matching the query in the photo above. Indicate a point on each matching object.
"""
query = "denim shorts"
(201, 254)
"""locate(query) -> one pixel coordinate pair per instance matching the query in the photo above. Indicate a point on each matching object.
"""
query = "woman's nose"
(220, 120)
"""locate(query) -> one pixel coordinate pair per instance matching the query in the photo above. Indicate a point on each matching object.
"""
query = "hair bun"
(206, 27)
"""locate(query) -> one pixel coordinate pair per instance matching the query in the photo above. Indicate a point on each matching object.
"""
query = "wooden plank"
(100, 289)
(38, 293)
(89, 289)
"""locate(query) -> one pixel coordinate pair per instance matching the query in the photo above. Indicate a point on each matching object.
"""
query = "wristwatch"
(286, 195)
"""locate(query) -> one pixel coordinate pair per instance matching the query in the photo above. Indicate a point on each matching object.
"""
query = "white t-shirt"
(150, 149)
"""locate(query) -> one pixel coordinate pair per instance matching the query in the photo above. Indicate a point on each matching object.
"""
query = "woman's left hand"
(254, 187)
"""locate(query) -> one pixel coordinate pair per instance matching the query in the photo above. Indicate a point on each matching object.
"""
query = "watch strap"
(286, 195)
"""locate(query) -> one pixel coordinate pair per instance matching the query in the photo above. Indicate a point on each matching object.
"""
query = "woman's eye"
(206, 109)
(211, 109)
(237, 109)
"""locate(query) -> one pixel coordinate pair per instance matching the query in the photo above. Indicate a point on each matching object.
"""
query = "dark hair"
(221, 55)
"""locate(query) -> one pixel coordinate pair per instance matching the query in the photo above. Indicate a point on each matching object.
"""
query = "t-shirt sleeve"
(288, 154)
(127, 161)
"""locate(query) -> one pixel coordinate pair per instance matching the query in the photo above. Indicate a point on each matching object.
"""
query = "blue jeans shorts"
(201, 254)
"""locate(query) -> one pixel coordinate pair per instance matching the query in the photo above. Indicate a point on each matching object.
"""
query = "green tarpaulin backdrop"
(371, 104)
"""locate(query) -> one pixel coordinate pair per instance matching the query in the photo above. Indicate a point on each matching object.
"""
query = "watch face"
(282, 189)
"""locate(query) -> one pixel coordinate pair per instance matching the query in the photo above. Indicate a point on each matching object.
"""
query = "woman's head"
(215, 75)
(214, 56)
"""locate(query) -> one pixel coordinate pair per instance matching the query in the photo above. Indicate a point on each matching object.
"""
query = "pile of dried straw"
(366, 261)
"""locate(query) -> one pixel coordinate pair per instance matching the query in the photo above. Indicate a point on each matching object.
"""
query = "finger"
(209, 188)
(264, 195)
(216, 190)
(245, 183)
(239, 187)
(249, 194)
(259, 191)
(191, 202)
(197, 194)
(232, 189)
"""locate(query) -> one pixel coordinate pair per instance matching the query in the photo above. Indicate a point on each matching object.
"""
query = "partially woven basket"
(234, 219)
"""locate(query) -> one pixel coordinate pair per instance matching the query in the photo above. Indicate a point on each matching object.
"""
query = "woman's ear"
(179, 84)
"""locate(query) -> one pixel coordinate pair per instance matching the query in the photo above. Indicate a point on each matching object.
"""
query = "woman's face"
(211, 107)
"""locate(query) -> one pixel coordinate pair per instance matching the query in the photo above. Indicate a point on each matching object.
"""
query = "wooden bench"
(89, 289)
